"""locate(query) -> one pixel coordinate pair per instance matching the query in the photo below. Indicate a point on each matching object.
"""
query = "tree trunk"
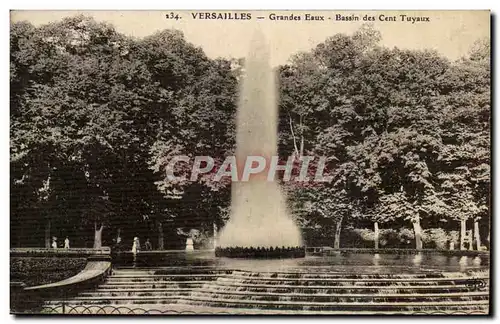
(338, 227)
(463, 230)
(293, 135)
(118, 239)
(418, 233)
(161, 245)
(98, 236)
(477, 237)
(301, 146)
(215, 236)
(301, 138)
(377, 233)
(47, 234)
(20, 235)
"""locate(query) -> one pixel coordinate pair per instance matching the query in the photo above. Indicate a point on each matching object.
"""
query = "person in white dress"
(135, 245)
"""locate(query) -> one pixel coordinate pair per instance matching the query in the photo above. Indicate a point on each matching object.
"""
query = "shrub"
(388, 238)
(42, 270)
(435, 238)
(454, 236)
(358, 237)
(432, 238)
(365, 234)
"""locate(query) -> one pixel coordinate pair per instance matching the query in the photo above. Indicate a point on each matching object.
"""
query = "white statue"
(189, 244)
(190, 237)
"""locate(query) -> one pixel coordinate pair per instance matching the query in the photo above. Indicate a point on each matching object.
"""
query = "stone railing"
(124, 310)
(59, 251)
(326, 250)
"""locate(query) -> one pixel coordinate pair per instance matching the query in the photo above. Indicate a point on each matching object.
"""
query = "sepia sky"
(449, 32)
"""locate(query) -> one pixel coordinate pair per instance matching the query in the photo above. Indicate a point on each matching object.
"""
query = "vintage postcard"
(250, 162)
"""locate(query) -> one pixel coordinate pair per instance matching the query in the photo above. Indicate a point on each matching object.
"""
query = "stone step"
(313, 269)
(297, 282)
(248, 286)
(125, 294)
(327, 284)
(118, 300)
(172, 270)
(222, 302)
(145, 288)
(283, 275)
(154, 287)
(285, 297)
(156, 283)
(384, 295)
(128, 291)
(358, 298)
(344, 279)
(173, 275)
(140, 268)
(141, 289)
(113, 279)
(336, 274)
(288, 288)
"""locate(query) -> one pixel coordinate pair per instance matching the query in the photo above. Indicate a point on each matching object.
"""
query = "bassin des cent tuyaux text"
(306, 16)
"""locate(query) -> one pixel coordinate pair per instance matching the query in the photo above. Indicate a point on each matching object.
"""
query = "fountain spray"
(259, 214)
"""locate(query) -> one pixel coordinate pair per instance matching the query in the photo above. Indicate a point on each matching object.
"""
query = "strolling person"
(135, 245)
(147, 245)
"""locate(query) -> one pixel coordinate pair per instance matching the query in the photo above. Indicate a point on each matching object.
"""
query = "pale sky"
(449, 32)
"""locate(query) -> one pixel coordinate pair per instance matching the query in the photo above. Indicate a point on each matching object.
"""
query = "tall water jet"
(259, 214)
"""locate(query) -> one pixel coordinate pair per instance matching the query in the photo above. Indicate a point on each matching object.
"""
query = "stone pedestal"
(261, 253)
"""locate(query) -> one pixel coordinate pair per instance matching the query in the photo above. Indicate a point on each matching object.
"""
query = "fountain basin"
(343, 261)
(261, 253)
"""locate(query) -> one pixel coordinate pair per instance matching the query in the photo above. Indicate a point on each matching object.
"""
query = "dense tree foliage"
(96, 116)
(408, 131)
